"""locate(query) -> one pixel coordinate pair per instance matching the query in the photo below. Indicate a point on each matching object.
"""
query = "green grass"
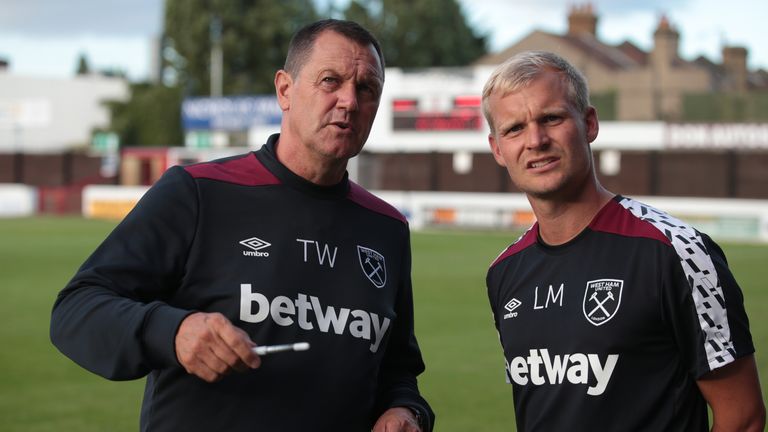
(41, 390)
(464, 381)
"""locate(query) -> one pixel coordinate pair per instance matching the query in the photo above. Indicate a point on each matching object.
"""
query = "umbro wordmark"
(256, 245)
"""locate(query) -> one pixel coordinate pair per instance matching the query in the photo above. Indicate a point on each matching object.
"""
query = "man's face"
(542, 139)
(330, 106)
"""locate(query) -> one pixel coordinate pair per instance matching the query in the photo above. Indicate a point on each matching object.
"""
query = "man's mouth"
(541, 163)
(341, 125)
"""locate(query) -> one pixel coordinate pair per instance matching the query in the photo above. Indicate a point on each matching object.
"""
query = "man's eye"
(368, 89)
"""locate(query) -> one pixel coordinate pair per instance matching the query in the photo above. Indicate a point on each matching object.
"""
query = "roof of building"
(623, 56)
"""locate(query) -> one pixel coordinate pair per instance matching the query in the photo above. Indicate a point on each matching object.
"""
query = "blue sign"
(237, 113)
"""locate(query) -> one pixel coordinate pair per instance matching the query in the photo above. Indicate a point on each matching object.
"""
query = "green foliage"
(419, 33)
(464, 380)
(82, 65)
(605, 104)
(151, 117)
(254, 39)
(723, 107)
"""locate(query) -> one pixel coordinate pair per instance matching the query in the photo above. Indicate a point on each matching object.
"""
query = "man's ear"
(495, 150)
(592, 124)
(283, 86)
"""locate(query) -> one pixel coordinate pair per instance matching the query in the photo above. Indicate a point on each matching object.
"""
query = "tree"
(152, 117)
(254, 40)
(82, 65)
(419, 33)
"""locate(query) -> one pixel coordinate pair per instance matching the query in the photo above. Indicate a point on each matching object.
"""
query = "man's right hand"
(209, 346)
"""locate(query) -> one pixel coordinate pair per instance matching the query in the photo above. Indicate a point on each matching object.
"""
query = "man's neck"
(315, 170)
(562, 220)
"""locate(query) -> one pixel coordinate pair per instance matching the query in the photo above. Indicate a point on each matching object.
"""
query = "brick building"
(633, 84)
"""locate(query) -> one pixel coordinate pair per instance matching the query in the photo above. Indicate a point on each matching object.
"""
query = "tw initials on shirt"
(322, 255)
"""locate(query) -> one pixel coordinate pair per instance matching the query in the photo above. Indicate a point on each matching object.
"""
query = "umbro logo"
(256, 245)
(510, 307)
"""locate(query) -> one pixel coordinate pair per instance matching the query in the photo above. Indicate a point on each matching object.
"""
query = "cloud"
(45, 18)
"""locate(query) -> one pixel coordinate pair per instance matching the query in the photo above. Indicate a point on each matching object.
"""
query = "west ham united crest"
(373, 266)
(602, 298)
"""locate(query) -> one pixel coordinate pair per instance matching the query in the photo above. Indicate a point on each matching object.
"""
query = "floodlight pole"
(217, 57)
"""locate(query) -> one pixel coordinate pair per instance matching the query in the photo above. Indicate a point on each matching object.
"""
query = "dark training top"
(283, 259)
(611, 330)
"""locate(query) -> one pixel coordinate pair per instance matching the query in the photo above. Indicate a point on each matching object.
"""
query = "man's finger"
(238, 344)
(202, 371)
(209, 346)
(227, 352)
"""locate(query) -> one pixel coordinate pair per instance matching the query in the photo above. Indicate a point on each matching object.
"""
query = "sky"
(46, 37)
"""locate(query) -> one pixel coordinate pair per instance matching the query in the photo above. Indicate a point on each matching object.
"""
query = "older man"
(275, 247)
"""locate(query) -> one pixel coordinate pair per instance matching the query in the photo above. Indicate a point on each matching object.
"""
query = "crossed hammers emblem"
(373, 266)
(600, 303)
(375, 271)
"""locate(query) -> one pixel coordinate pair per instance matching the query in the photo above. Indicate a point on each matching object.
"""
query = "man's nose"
(347, 95)
(537, 136)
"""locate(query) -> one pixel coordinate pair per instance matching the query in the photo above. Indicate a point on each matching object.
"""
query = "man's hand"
(209, 346)
(397, 419)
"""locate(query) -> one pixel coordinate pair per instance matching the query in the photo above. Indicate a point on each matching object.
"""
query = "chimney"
(665, 40)
(581, 20)
(735, 66)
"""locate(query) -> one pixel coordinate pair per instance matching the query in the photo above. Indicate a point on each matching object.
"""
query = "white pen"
(269, 349)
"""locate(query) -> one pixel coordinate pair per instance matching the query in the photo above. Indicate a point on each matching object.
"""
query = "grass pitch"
(44, 391)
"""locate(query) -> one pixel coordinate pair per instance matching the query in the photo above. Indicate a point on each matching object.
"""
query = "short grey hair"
(302, 43)
(519, 70)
